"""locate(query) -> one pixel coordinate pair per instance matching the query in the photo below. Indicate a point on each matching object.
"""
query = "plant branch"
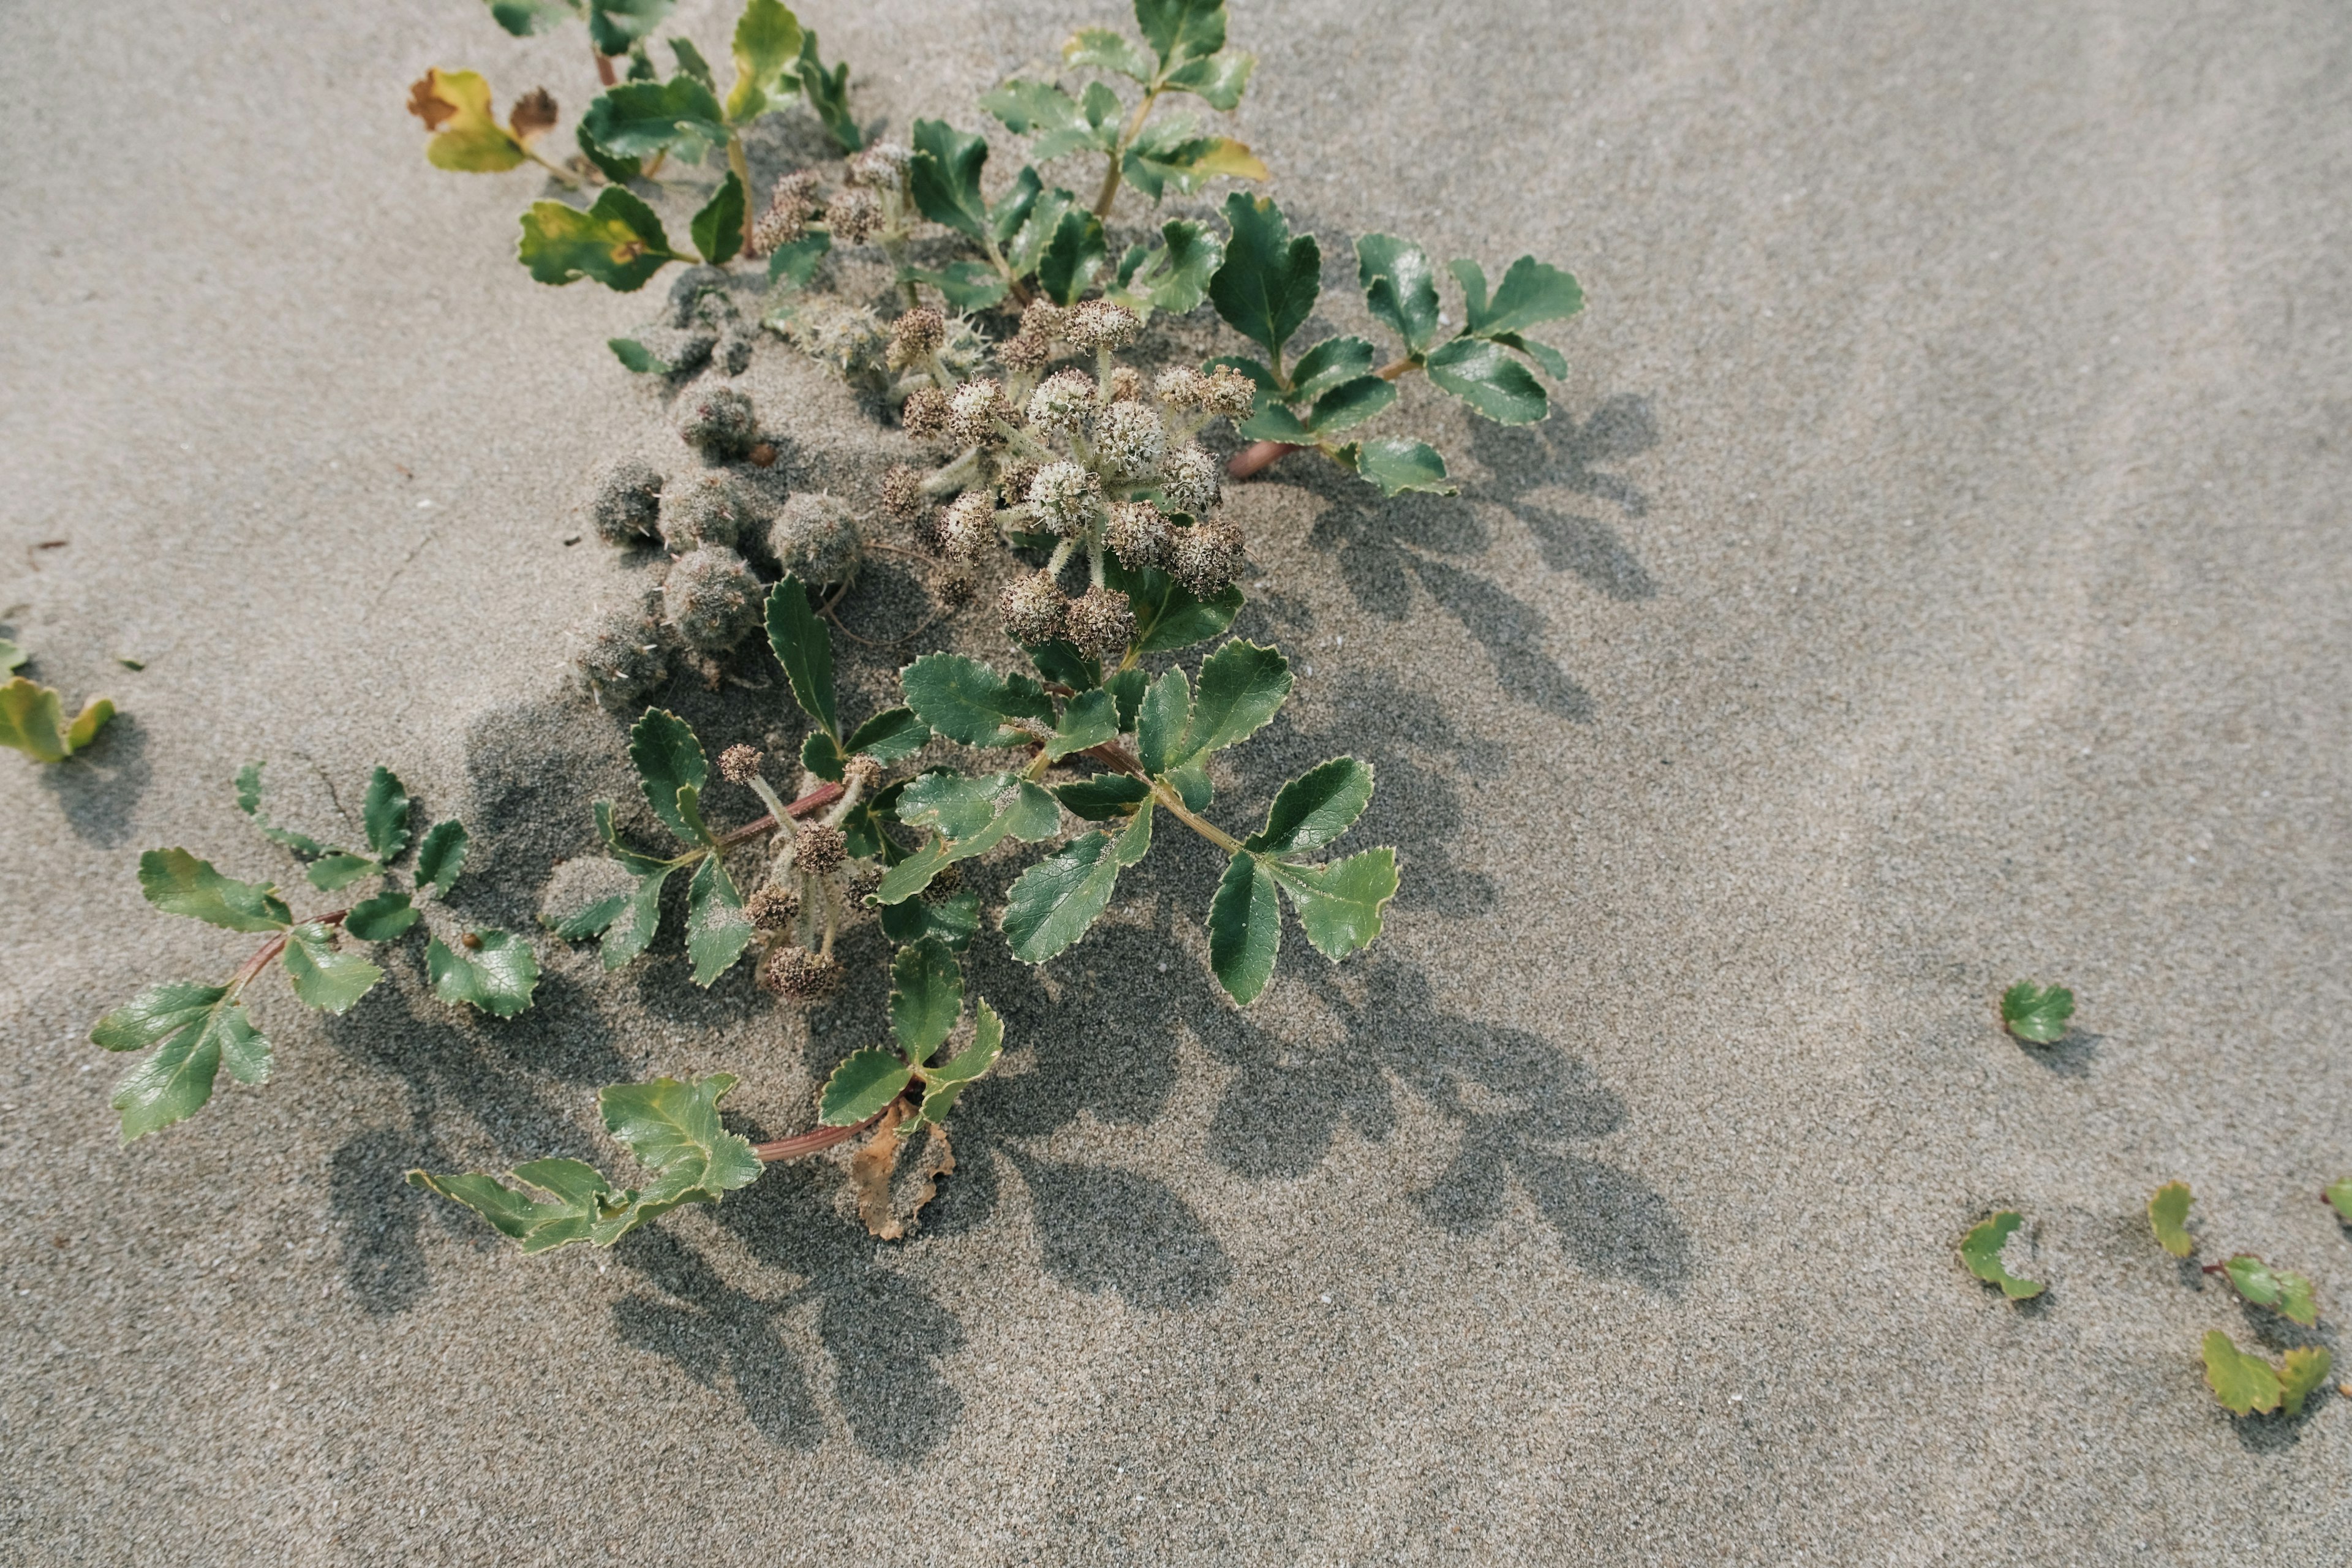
(815, 800)
(1110, 192)
(1258, 456)
(814, 1141)
(272, 948)
(1201, 825)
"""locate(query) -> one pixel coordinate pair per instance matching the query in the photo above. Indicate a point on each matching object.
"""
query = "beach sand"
(1934, 576)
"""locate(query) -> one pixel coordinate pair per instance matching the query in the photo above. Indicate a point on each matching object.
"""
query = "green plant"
(2037, 1015)
(2249, 1384)
(2337, 1196)
(1980, 1251)
(33, 717)
(2168, 1217)
(198, 1028)
(2288, 1294)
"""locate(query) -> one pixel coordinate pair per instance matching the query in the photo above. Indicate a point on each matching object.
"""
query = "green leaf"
(2167, 1215)
(339, 869)
(1326, 365)
(692, 61)
(177, 883)
(383, 917)
(1071, 258)
(1105, 796)
(952, 805)
(1242, 686)
(1056, 900)
(1037, 229)
(614, 25)
(618, 242)
(890, 735)
(1244, 929)
(1349, 404)
(626, 938)
(194, 1041)
(1397, 465)
(717, 229)
(441, 855)
(822, 755)
(1555, 363)
(248, 801)
(33, 720)
(966, 285)
(1127, 687)
(944, 179)
(1159, 722)
(1268, 281)
(324, 978)
(717, 929)
(1029, 815)
(767, 42)
(1012, 209)
(1173, 276)
(2036, 1014)
(1167, 153)
(581, 1211)
(1091, 719)
(1044, 110)
(1182, 31)
(1099, 49)
(1980, 1251)
(637, 118)
(11, 655)
(1061, 662)
(976, 1059)
(2307, 1367)
(1220, 77)
(633, 355)
(862, 1086)
(1340, 905)
(1531, 293)
(1400, 288)
(467, 137)
(1314, 808)
(2339, 1193)
(496, 974)
(827, 92)
(1490, 381)
(2298, 1302)
(620, 171)
(524, 18)
(2243, 1383)
(1168, 614)
(803, 647)
(797, 262)
(968, 702)
(384, 812)
(637, 863)
(674, 1127)
(95, 715)
(926, 996)
(667, 758)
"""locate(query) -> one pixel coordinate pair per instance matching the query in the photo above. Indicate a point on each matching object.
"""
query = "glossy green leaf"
(1531, 293)
(1340, 905)
(668, 757)
(692, 61)
(33, 720)
(2167, 1215)
(615, 26)
(2289, 1294)
(634, 356)
(796, 262)
(524, 18)
(1104, 798)
(1056, 900)
(497, 975)
(717, 929)
(1327, 364)
(1159, 722)
(827, 92)
(1099, 49)
(1011, 210)
(193, 1040)
(976, 1059)
(177, 883)
(767, 42)
(1489, 380)
(1072, 257)
(1397, 465)
(1268, 281)
(1127, 686)
(619, 242)
(954, 806)
(249, 795)
(637, 862)
(2307, 1370)
(944, 178)
(630, 932)
(339, 869)
(926, 996)
(1166, 156)
(1314, 808)
(1173, 275)
(384, 813)
(968, 702)
(155, 1015)
(2243, 1383)
(636, 118)
(674, 1128)
(1027, 246)
(1090, 719)
(584, 1206)
(1980, 1251)
(864, 1085)
(1028, 814)
(1244, 929)
(1221, 78)
(890, 735)
(717, 228)
(1400, 288)
(383, 917)
(1168, 614)
(1350, 403)
(1062, 663)
(616, 168)
(1045, 112)
(966, 285)
(441, 855)
(1182, 31)
(2035, 1014)
(803, 645)
(1242, 686)
(323, 977)
(1555, 363)
(953, 920)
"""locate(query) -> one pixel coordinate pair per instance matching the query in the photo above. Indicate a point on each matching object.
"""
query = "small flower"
(1066, 495)
(1130, 441)
(1138, 535)
(1230, 393)
(968, 526)
(861, 773)
(925, 413)
(1044, 318)
(1100, 623)
(854, 214)
(1192, 478)
(1207, 557)
(739, 764)
(916, 336)
(1062, 402)
(771, 908)
(973, 410)
(1102, 324)
(1033, 609)
(1013, 479)
(819, 850)
(1125, 385)
(799, 975)
(1024, 352)
(882, 167)
(1182, 386)
(902, 494)
(787, 216)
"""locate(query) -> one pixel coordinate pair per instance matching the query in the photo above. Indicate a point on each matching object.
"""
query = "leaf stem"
(741, 168)
(1258, 456)
(814, 1141)
(571, 181)
(1395, 368)
(817, 798)
(272, 948)
(1110, 192)
(1183, 814)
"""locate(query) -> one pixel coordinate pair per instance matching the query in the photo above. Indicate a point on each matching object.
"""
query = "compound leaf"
(636, 863)
(1104, 796)
(954, 919)
(384, 813)
(324, 978)
(1072, 257)
(1167, 155)
(339, 869)
(1489, 380)
(248, 801)
(1160, 720)
(177, 883)
(2243, 1383)
(967, 702)
(1099, 49)
(716, 227)
(827, 92)
(155, 1015)
(193, 1040)
(1182, 31)
(966, 285)
(944, 179)
(890, 735)
(1090, 719)
(384, 917)
(1339, 906)
(956, 805)
(1244, 929)
(2035, 1014)
(1220, 77)
(2307, 1367)
(667, 758)
(625, 938)
(1350, 403)
(674, 1128)
(1314, 808)
(614, 25)
(805, 648)
(926, 996)
(467, 137)
(1327, 364)
(1268, 281)
(619, 242)
(1397, 465)
(2167, 1215)
(1400, 287)
(976, 1059)
(1174, 277)
(1242, 686)
(1531, 293)
(862, 1086)
(1980, 1251)
(717, 929)
(441, 855)
(636, 118)
(1044, 110)
(580, 1211)
(767, 42)
(33, 720)
(1056, 900)
(492, 970)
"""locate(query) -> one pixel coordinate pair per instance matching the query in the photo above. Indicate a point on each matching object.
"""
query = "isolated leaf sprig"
(1980, 1251)
(2036, 1014)
(33, 717)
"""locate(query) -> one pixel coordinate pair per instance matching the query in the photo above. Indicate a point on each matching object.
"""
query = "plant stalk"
(814, 1141)
(1110, 192)
(824, 795)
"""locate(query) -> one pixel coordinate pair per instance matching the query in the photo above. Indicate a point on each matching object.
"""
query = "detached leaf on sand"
(2035, 1014)
(1980, 1251)
(2167, 1215)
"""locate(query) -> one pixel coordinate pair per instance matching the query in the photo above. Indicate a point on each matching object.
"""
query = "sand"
(1934, 577)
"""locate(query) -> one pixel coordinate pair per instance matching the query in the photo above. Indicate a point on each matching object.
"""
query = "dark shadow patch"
(99, 787)
(1105, 1228)
(384, 1260)
(2071, 1057)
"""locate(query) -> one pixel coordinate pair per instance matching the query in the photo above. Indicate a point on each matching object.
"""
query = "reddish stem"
(604, 68)
(815, 800)
(1257, 456)
(272, 948)
(812, 1141)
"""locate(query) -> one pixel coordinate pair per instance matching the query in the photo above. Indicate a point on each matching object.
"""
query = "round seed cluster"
(815, 538)
(739, 764)
(902, 494)
(1207, 556)
(720, 426)
(798, 975)
(854, 214)
(883, 166)
(618, 655)
(706, 509)
(626, 505)
(967, 526)
(1192, 479)
(819, 850)
(973, 410)
(773, 908)
(1062, 402)
(711, 598)
(1128, 442)
(1101, 324)
(925, 414)
(916, 336)
(1032, 609)
(1100, 623)
(1138, 535)
(1065, 495)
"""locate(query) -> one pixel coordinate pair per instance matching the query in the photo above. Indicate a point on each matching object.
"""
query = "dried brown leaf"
(533, 114)
(425, 103)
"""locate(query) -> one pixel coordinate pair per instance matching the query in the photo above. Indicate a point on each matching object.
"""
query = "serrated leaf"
(968, 702)
(1397, 465)
(155, 1015)
(618, 242)
(955, 805)
(2298, 1301)
(384, 813)
(2339, 1193)
(634, 356)
(767, 42)
(1182, 31)
(1099, 49)
(637, 862)
(441, 855)
(1090, 719)
(1400, 288)
(1268, 281)
(926, 996)
(1056, 900)
(324, 978)
(1105, 796)
(1166, 155)
(1037, 229)
(717, 929)
(614, 26)
(176, 1081)
(2307, 1367)
(1160, 720)
(668, 757)
(862, 1086)
(822, 755)
(966, 285)
(1555, 363)
(2243, 1383)
(797, 262)
(1980, 1251)
(1244, 929)
(380, 918)
(1044, 110)
(620, 171)
(467, 136)
(524, 18)
(33, 720)
(827, 92)
(1220, 77)
(692, 61)
(636, 118)
(1489, 380)
(803, 645)
(1314, 808)
(1011, 210)
(1174, 275)
(674, 1128)
(1340, 905)
(339, 869)
(1062, 663)
(250, 794)
(1531, 293)
(496, 974)
(1242, 686)
(890, 735)
(2036, 1014)
(1327, 364)
(944, 178)
(632, 933)
(953, 920)
(1067, 266)
(1168, 614)
(2167, 1215)
(177, 883)
(1127, 687)
(716, 227)
(580, 1211)
(976, 1059)
(1350, 403)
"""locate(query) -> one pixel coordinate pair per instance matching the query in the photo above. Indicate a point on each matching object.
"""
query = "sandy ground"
(1934, 576)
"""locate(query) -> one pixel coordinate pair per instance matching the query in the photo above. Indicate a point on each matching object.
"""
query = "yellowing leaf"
(1980, 1251)
(2243, 1383)
(2168, 1214)
(2307, 1367)
(455, 106)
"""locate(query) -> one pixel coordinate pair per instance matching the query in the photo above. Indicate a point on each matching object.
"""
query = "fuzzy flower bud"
(1138, 535)
(1102, 324)
(1013, 479)
(1033, 609)
(854, 214)
(1125, 385)
(861, 773)
(925, 413)
(720, 426)
(1130, 441)
(772, 908)
(626, 506)
(1206, 557)
(1229, 392)
(1044, 318)
(816, 539)
(711, 599)
(1192, 479)
(1024, 352)
(955, 591)
(819, 850)
(706, 509)
(902, 493)
(798, 975)
(882, 167)
(619, 654)
(916, 336)
(739, 764)
(973, 410)
(1062, 402)
(1066, 495)
(968, 526)
(787, 216)
(1182, 386)
(1100, 623)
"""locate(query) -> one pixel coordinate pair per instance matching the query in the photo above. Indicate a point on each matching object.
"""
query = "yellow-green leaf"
(32, 721)
(2307, 1367)
(1980, 1251)
(467, 138)
(2243, 1383)
(767, 42)
(2167, 1215)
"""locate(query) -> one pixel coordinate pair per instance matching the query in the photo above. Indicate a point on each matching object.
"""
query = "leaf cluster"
(33, 717)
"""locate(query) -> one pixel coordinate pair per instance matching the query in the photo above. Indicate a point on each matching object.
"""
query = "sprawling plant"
(197, 1029)
(33, 716)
